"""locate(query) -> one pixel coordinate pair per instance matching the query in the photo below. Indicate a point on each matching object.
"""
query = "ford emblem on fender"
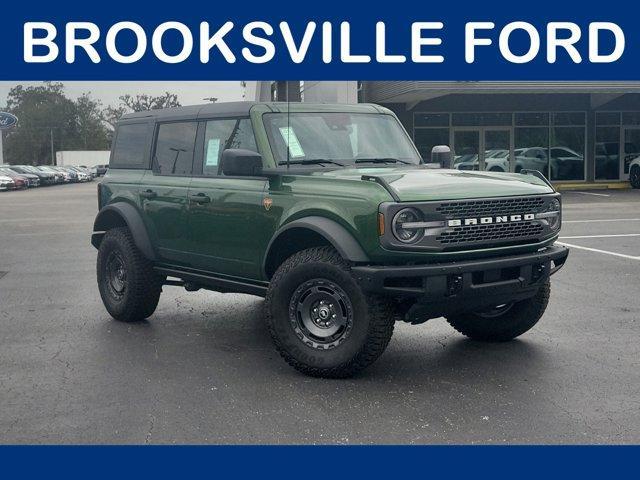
(7, 120)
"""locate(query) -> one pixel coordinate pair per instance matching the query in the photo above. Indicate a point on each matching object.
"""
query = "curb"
(592, 186)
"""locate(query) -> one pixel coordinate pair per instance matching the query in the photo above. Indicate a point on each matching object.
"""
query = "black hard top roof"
(241, 109)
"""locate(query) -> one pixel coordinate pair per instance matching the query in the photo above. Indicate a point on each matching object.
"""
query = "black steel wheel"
(129, 287)
(503, 322)
(320, 321)
(321, 313)
(116, 273)
(495, 312)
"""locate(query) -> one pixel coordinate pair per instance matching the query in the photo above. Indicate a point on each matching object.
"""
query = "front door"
(631, 150)
(228, 222)
(497, 150)
(483, 148)
(466, 149)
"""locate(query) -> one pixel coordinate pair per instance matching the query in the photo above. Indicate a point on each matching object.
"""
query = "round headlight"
(554, 221)
(407, 234)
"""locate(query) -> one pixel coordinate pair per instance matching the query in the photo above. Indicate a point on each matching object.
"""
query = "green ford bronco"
(330, 213)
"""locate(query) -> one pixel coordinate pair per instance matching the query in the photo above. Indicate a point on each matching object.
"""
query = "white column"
(258, 91)
(1, 148)
(330, 91)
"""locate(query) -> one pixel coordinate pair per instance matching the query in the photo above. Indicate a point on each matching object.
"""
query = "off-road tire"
(141, 293)
(518, 319)
(634, 176)
(373, 318)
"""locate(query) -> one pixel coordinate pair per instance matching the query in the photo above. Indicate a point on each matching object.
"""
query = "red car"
(19, 180)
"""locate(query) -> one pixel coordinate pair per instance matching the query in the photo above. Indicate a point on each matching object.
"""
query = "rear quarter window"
(131, 147)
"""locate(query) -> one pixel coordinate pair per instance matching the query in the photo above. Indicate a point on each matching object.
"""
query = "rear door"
(227, 219)
(163, 189)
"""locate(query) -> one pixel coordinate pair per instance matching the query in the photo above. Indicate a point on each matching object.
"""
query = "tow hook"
(538, 272)
(454, 284)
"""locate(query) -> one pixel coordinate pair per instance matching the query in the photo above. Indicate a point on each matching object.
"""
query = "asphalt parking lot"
(203, 369)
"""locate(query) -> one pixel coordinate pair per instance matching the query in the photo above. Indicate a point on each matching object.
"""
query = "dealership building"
(574, 132)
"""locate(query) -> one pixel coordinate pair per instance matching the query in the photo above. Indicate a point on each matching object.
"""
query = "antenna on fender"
(288, 125)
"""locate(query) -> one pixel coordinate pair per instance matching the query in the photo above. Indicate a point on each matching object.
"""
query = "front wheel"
(634, 176)
(503, 322)
(322, 324)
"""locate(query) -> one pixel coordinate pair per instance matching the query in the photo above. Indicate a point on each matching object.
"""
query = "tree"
(138, 103)
(46, 115)
(48, 120)
(111, 115)
(92, 133)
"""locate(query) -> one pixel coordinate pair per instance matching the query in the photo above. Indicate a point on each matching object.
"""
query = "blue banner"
(328, 40)
(322, 462)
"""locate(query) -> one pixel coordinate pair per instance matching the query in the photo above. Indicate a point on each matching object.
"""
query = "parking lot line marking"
(594, 194)
(45, 219)
(597, 250)
(604, 220)
(604, 236)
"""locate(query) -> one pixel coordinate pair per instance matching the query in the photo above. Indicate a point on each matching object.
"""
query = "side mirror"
(441, 154)
(236, 162)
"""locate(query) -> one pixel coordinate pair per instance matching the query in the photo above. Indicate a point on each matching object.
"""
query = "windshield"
(339, 138)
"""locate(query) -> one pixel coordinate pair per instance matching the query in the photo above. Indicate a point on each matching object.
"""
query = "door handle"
(148, 194)
(199, 198)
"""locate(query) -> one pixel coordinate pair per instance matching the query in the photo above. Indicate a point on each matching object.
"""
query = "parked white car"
(83, 174)
(6, 183)
(634, 172)
(494, 160)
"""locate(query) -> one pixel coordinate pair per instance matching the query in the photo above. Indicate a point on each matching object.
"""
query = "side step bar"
(211, 282)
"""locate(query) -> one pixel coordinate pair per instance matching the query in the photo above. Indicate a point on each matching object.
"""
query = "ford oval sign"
(7, 120)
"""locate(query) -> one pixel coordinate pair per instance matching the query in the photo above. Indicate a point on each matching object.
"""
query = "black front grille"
(491, 232)
(479, 208)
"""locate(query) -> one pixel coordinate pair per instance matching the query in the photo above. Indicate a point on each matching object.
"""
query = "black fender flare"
(337, 235)
(133, 220)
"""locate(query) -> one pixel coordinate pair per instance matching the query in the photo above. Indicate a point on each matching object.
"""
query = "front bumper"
(468, 285)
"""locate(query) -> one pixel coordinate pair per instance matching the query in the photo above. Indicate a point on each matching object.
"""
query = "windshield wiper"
(311, 161)
(381, 160)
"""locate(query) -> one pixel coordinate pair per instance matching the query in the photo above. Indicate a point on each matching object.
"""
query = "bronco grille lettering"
(489, 220)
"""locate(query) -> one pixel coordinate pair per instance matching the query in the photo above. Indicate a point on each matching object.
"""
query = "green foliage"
(46, 115)
(138, 103)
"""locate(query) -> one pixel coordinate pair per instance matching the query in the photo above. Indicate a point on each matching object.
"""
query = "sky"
(189, 93)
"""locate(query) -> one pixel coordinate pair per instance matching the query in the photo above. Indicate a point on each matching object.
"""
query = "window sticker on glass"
(213, 150)
(353, 137)
(291, 140)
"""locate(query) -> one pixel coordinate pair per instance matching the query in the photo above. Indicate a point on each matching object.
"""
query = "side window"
(223, 134)
(131, 146)
(174, 148)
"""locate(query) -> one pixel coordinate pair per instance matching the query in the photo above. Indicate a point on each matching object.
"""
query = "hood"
(412, 184)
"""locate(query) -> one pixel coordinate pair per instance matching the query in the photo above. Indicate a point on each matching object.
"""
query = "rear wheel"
(503, 322)
(320, 321)
(634, 176)
(129, 287)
